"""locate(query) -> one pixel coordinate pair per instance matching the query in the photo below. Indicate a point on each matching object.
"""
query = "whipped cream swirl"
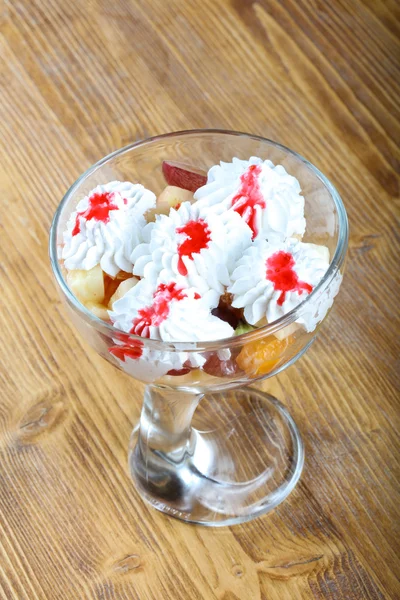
(193, 247)
(143, 363)
(169, 312)
(106, 226)
(264, 195)
(273, 278)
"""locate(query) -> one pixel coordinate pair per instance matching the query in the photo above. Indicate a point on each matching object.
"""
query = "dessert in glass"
(201, 262)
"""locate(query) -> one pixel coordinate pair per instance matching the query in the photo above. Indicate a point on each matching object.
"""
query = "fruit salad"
(214, 256)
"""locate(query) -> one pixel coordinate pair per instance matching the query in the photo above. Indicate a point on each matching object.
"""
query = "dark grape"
(226, 315)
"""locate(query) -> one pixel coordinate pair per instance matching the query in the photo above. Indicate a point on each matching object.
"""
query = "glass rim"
(201, 346)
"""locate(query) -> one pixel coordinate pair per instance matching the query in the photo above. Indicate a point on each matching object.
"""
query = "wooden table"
(82, 78)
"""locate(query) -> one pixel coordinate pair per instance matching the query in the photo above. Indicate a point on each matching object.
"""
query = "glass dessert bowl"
(231, 301)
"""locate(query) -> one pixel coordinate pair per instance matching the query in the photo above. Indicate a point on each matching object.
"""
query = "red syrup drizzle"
(155, 314)
(198, 236)
(100, 205)
(131, 348)
(281, 273)
(248, 197)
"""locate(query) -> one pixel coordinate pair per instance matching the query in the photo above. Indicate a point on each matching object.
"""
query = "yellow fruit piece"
(322, 251)
(291, 329)
(99, 310)
(170, 197)
(262, 356)
(191, 378)
(88, 286)
(121, 290)
(122, 275)
(151, 214)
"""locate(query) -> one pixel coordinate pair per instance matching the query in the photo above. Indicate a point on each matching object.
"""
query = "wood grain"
(80, 79)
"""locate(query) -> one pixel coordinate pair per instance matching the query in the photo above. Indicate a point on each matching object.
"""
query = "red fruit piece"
(178, 372)
(133, 350)
(183, 176)
(220, 368)
(226, 315)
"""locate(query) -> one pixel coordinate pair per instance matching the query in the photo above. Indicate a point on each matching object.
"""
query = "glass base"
(242, 457)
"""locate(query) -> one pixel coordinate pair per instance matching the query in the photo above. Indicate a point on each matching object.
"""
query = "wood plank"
(78, 80)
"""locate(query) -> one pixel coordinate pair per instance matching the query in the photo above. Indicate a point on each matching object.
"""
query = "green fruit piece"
(243, 328)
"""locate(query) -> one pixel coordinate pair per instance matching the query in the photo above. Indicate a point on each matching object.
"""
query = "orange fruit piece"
(261, 357)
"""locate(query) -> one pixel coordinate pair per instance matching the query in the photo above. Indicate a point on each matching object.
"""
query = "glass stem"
(165, 423)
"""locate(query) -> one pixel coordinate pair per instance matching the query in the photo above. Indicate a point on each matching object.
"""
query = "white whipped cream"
(89, 241)
(267, 197)
(191, 320)
(193, 247)
(147, 365)
(170, 313)
(318, 306)
(273, 278)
